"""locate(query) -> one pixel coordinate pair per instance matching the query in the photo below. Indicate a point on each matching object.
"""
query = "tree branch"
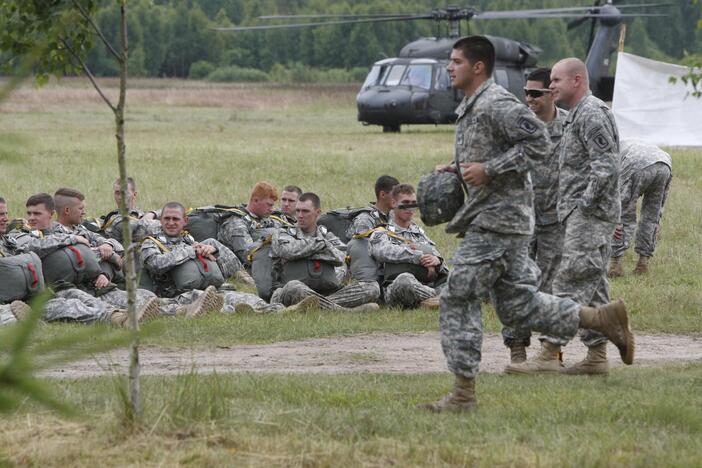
(97, 29)
(89, 74)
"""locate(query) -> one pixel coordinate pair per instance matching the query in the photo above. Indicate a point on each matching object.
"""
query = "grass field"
(201, 144)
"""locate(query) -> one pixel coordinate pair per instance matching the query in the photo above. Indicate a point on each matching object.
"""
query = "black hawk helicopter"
(414, 87)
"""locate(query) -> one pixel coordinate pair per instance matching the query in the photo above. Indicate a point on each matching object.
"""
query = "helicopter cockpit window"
(373, 76)
(395, 74)
(418, 75)
(442, 79)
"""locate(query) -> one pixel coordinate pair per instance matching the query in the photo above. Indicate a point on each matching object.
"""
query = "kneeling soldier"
(414, 271)
(305, 259)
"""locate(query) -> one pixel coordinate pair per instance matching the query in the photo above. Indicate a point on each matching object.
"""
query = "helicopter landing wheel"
(391, 128)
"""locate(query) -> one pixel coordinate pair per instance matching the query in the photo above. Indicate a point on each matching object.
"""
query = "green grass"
(204, 144)
(634, 417)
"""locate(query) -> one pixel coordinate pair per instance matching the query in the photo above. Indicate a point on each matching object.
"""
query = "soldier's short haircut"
(402, 189)
(293, 188)
(313, 197)
(173, 205)
(2, 200)
(541, 74)
(131, 184)
(41, 199)
(478, 49)
(264, 190)
(64, 196)
(385, 183)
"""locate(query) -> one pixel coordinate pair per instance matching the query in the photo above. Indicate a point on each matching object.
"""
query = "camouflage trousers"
(232, 298)
(118, 298)
(652, 184)
(582, 274)
(407, 291)
(496, 266)
(352, 295)
(546, 249)
(6, 315)
(226, 260)
(170, 305)
(74, 305)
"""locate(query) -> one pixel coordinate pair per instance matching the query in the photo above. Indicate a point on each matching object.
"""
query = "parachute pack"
(204, 222)
(76, 264)
(338, 221)
(20, 277)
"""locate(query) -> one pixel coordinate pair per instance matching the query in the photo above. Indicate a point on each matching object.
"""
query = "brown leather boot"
(305, 305)
(461, 399)
(431, 303)
(369, 307)
(546, 362)
(20, 310)
(517, 353)
(209, 300)
(615, 267)
(119, 317)
(641, 267)
(595, 362)
(612, 321)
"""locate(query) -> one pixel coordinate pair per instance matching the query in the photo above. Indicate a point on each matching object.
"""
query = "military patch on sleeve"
(527, 125)
(599, 139)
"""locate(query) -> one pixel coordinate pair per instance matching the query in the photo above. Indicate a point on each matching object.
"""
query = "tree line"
(174, 38)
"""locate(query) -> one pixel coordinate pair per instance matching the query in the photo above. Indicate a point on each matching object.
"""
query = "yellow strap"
(111, 221)
(267, 241)
(368, 233)
(285, 222)
(159, 244)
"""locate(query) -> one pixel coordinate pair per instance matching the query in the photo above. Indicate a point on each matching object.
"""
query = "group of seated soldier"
(191, 262)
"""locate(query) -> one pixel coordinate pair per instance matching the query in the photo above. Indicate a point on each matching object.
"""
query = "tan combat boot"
(209, 300)
(517, 353)
(546, 362)
(595, 363)
(641, 267)
(612, 321)
(243, 308)
(149, 311)
(615, 267)
(431, 303)
(461, 399)
(119, 318)
(20, 310)
(369, 307)
(244, 277)
(305, 305)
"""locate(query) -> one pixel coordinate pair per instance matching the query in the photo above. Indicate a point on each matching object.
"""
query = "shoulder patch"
(323, 230)
(599, 138)
(292, 231)
(526, 124)
(601, 141)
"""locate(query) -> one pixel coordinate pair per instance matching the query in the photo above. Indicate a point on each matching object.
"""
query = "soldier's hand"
(106, 251)
(474, 174)
(81, 240)
(205, 250)
(117, 261)
(445, 168)
(101, 281)
(429, 261)
(618, 233)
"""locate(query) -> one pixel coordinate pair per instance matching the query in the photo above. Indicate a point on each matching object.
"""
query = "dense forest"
(174, 38)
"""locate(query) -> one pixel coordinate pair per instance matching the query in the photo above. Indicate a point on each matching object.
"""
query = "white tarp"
(648, 107)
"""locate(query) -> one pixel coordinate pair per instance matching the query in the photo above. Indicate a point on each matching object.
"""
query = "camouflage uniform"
(6, 250)
(74, 305)
(6, 315)
(243, 233)
(292, 244)
(367, 220)
(232, 298)
(646, 171)
(588, 206)
(140, 227)
(180, 250)
(497, 219)
(547, 243)
(405, 290)
(7, 246)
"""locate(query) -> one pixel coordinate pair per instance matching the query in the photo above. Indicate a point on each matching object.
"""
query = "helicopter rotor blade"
(349, 16)
(489, 15)
(322, 23)
(584, 9)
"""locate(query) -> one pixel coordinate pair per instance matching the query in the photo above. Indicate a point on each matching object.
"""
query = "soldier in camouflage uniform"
(241, 234)
(143, 223)
(646, 171)
(288, 201)
(377, 213)
(547, 243)
(9, 313)
(405, 245)
(313, 246)
(43, 236)
(588, 207)
(172, 247)
(497, 138)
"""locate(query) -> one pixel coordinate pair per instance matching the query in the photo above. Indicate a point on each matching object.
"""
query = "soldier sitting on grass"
(414, 271)
(305, 259)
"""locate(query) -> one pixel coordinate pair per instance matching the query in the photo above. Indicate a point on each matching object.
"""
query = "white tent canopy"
(648, 107)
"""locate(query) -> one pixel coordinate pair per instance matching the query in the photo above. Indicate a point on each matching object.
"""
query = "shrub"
(200, 69)
(234, 74)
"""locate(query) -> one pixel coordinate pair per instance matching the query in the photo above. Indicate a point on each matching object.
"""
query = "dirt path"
(405, 353)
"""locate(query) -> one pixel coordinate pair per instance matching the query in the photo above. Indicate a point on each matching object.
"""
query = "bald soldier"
(588, 208)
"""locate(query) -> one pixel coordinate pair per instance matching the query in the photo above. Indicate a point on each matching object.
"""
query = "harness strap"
(33, 271)
(159, 244)
(79, 257)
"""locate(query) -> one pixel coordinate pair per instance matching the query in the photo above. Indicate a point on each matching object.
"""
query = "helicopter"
(414, 87)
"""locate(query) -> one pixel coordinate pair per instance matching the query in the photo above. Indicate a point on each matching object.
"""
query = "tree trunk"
(129, 263)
